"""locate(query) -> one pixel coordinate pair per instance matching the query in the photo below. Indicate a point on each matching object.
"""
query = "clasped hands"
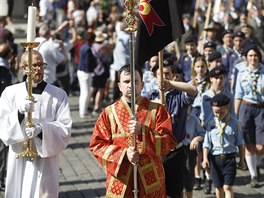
(28, 106)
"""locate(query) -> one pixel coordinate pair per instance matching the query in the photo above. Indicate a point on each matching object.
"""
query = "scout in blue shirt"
(222, 141)
(200, 79)
(186, 60)
(209, 48)
(227, 39)
(236, 54)
(249, 106)
(217, 78)
(194, 137)
(214, 60)
(178, 96)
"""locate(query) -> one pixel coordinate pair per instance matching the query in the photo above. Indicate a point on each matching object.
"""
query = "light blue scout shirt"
(241, 66)
(206, 109)
(226, 142)
(245, 88)
(150, 83)
(193, 128)
(201, 88)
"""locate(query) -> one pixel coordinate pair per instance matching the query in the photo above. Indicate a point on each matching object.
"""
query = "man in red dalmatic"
(111, 142)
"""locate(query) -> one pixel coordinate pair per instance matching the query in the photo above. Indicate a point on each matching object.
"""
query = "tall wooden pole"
(162, 97)
(207, 20)
(197, 4)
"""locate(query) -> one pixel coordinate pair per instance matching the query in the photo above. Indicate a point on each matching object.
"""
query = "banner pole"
(162, 97)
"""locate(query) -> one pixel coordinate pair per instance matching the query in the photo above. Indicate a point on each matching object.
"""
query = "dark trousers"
(5, 80)
(64, 83)
(189, 176)
(3, 162)
(174, 167)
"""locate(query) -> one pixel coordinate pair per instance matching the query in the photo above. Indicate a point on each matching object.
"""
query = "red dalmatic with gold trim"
(110, 141)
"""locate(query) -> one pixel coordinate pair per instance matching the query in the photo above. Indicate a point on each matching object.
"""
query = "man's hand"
(132, 155)
(26, 106)
(134, 127)
(33, 131)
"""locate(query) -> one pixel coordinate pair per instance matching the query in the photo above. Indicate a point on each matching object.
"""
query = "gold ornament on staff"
(130, 17)
(131, 23)
(29, 152)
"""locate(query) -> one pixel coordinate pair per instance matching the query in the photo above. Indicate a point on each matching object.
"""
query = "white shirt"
(52, 55)
(46, 9)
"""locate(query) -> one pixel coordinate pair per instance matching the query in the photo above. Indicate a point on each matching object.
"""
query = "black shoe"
(90, 109)
(258, 172)
(96, 113)
(2, 187)
(254, 182)
(197, 184)
(207, 186)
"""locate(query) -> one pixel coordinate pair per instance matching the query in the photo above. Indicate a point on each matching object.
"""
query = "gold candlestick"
(29, 152)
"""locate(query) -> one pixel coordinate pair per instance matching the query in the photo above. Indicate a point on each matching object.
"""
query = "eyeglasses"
(35, 66)
(42, 66)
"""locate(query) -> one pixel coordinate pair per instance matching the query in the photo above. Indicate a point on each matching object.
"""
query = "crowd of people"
(213, 82)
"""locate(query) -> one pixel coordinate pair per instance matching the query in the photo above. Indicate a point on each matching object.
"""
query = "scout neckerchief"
(201, 82)
(239, 54)
(221, 124)
(254, 76)
(213, 92)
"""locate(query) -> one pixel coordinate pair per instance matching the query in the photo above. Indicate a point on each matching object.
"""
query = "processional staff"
(30, 44)
(131, 23)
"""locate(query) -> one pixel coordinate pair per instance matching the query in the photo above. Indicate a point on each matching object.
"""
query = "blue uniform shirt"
(185, 63)
(177, 104)
(232, 59)
(193, 129)
(240, 65)
(226, 142)
(225, 56)
(206, 109)
(245, 86)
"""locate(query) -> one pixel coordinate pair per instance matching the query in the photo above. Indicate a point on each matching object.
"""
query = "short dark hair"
(6, 49)
(126, 68)
(90, 37)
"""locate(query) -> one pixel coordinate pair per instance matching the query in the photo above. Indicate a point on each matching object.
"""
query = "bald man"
(50, 133)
